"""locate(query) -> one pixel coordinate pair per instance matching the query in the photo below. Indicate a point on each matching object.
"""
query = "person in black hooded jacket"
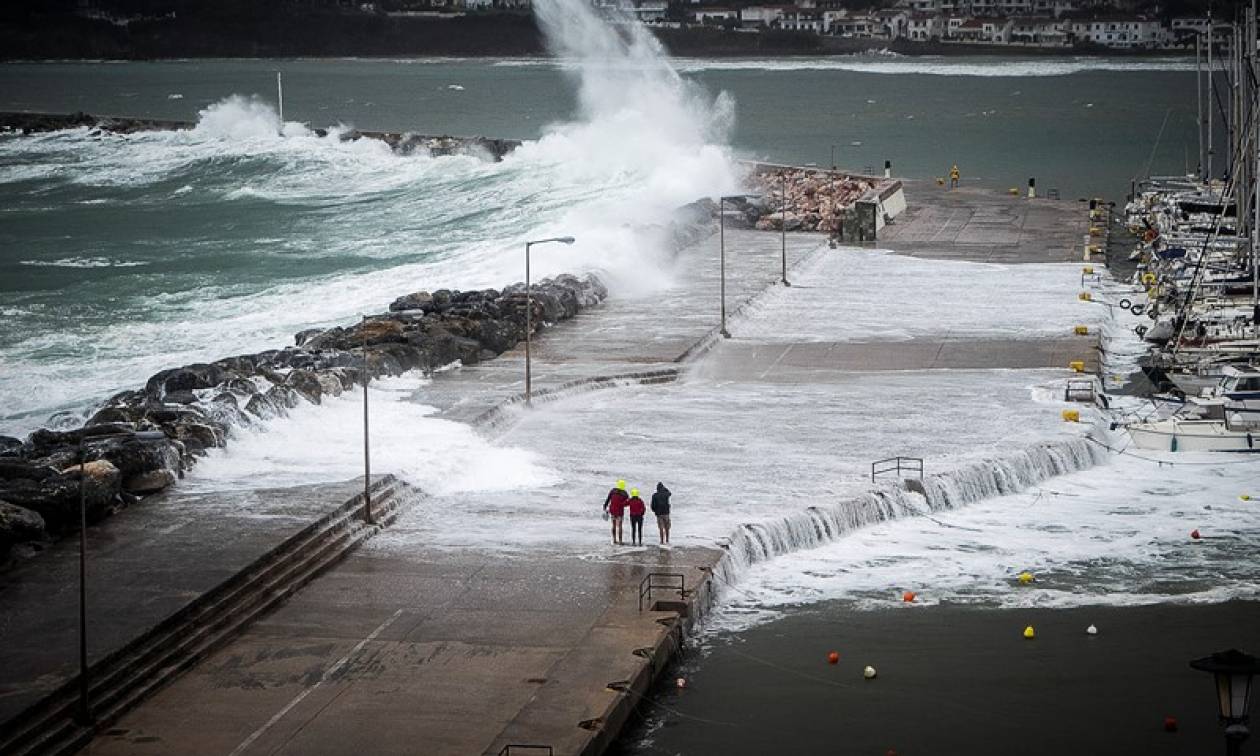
(660, 508)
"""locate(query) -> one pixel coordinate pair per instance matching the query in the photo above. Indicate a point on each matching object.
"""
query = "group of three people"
(618, 501)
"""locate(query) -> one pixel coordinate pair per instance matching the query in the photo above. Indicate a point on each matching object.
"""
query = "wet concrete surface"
(986, 226)
(143, 564)
(405, 648)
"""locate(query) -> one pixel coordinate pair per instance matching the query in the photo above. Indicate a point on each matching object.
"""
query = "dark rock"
(9, 446)
(117, 414)
(56, 498)
(180, 397)
(149, 483)
(301, 337)
(262, 406)
(198, 437)
(442, 299)
(18, 525)
(187, 378)
(16, 470)
(282, 397)
(420, 300)
(306, 383)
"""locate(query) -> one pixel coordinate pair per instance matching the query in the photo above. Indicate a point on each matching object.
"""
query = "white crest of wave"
(324, 443)
(238, 118)
(647, 142)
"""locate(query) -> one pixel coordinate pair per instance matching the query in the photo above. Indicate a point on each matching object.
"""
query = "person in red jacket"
(615, 507)
(637, 510)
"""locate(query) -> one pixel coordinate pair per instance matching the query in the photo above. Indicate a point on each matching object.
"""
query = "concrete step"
(125, 678)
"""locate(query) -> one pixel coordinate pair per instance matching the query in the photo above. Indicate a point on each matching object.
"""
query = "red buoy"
(833, 658)
(909, 597)
(1170, 724)
(1195, 534)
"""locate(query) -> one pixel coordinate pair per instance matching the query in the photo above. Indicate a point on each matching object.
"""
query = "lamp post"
(783, 226)
(529, 312)
(85, 708)
(1233, 671)
(367, 456)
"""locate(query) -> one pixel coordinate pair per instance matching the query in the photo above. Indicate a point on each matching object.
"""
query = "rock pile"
(816, 200)
(181, 413)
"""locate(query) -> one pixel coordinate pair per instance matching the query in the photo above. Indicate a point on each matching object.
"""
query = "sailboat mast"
(1211, 90)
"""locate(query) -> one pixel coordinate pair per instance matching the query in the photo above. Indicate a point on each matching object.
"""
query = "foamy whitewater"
(260, 228)
(341, 228)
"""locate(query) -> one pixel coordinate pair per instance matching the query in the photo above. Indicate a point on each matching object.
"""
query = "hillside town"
(1081, 24)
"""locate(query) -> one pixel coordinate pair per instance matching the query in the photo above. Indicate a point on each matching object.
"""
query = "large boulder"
(18, 525)
(149, 483)
(305, 383)
(56, 498)
(420, 300)
(10, 446)
(186, 378)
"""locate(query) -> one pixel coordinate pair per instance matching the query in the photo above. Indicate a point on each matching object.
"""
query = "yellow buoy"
(1088, 269)
(1244, 497)
(1081, 330)
(1085, 296)
(1025, 577)
(1072, 416)
(1029, 633)
(1077, 366)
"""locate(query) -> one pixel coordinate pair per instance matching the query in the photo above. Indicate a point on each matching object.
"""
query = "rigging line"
(1155, 147)
(1162, 462)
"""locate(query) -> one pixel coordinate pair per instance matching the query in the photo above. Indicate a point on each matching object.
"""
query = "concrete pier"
(423, 644)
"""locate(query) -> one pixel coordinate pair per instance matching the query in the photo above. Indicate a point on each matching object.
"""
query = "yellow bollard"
(1071, 416)
(1078, 366)
(1081, 330)
(1085, 296)
(1088, 270)
(1095, 231)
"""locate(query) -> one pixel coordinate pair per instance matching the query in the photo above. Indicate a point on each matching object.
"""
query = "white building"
(763, 16)
(1124, 33)
(923, 27)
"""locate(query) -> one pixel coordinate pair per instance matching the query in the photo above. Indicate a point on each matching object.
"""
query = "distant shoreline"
(271, 34)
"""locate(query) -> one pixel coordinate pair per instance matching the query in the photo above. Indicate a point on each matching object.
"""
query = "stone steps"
(125, 678)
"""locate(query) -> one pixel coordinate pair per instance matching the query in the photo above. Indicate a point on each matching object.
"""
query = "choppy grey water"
(122, 255)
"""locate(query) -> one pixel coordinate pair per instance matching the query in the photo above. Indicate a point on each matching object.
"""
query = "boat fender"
(1138, 309)
(1114, 425)
(1152, 314)
(1251, 444)
(1125, 304)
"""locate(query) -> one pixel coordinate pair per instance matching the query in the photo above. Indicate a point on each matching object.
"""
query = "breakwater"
(404, 143)
(191, 409)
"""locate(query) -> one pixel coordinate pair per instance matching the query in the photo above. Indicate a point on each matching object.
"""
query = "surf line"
(256, 734)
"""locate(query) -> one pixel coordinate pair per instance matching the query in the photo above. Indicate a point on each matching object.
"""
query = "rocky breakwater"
(815, 200)
(141, 441)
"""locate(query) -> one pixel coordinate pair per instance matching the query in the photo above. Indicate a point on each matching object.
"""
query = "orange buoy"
(909, 597)
(833, 658)
(1170, 724)
(1195, 534)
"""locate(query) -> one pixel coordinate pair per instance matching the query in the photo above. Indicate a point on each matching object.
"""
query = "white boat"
(1183, 435)
(1217, 424)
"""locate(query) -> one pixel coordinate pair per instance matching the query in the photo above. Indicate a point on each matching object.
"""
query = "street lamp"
(367, 450)
(1233, 671)
(722, 245)
(85, 709)
(529, 311)
(783, 226)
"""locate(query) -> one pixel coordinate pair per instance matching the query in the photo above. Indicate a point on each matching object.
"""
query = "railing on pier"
(515, 749)
(662, 581)
(898, 465)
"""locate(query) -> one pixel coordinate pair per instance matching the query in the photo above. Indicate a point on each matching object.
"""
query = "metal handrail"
(897, 465)
(649, 584)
